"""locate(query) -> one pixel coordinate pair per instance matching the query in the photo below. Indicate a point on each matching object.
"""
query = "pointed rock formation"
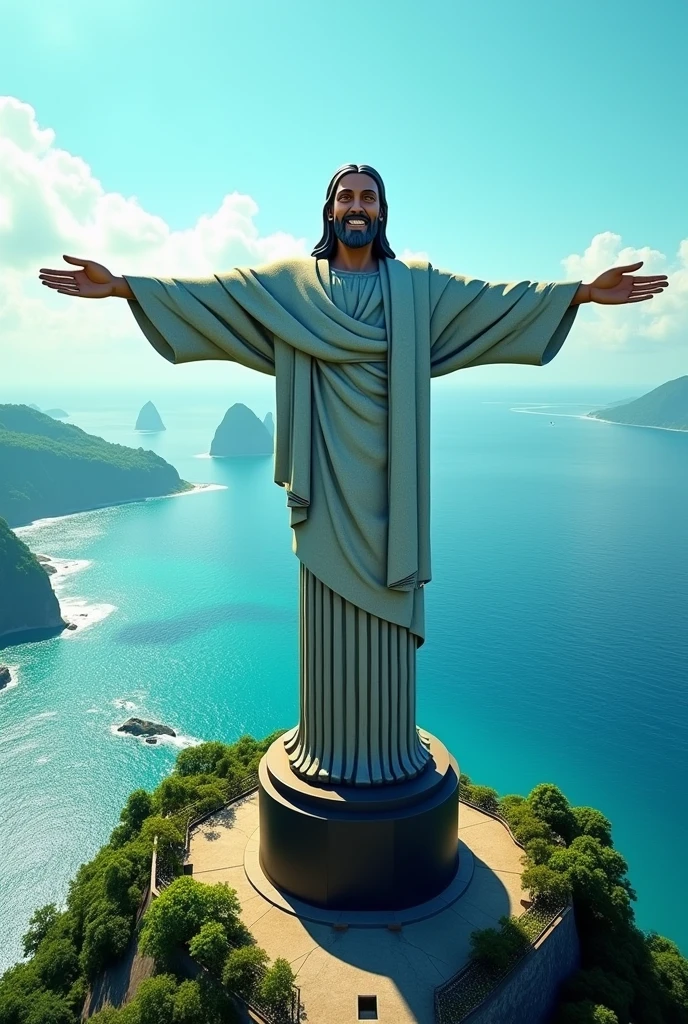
(269, 425)
(149, 418)
(241, 433)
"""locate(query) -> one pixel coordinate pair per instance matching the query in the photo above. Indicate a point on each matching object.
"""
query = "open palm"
(93, 282)
(615, 286)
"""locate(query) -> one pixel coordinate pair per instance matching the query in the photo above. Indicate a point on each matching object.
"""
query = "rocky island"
(149, 418)
(149, 730)
(269, 424)
(5, 676)
(48, 468)
(28, 604)
(241, 433)
(665, 406)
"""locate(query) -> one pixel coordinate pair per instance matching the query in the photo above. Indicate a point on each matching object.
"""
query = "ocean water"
(557, 628)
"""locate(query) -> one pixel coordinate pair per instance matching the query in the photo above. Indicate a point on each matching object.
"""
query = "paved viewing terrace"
(404, 962)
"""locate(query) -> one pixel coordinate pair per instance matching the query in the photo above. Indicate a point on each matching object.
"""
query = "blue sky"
(533, 140)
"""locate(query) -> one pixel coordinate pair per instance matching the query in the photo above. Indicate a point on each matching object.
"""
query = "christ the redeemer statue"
(353, 336)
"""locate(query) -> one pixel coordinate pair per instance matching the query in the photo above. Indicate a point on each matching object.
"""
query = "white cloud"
(641, 326)
(52, 203)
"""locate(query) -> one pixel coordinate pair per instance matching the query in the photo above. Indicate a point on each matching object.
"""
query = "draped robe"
(373, 556)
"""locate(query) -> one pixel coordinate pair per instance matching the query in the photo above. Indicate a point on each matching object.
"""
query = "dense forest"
(27, 600)
(48, 468)
(626, 975)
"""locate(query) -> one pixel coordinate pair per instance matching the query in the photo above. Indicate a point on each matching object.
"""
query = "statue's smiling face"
(356, 210)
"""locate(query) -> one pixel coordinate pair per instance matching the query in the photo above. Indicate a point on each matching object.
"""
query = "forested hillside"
(48, 468)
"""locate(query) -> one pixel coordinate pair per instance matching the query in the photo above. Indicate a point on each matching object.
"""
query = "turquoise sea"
(557, 640)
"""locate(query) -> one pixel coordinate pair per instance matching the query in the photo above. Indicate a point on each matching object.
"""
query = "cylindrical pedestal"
(352, 848)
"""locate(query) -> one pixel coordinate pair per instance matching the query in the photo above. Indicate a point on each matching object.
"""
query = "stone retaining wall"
(528, 994)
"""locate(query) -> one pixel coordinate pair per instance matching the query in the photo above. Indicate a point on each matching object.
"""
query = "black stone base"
(351, 848)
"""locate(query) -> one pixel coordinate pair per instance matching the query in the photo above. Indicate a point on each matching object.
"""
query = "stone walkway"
(333, 967)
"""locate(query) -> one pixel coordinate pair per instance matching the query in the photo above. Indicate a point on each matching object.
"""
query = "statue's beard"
(355, 238)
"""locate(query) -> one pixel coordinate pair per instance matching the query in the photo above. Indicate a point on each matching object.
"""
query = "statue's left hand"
(615, 286)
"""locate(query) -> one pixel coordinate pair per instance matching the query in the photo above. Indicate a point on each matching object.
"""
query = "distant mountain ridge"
(665, 406)
(48, 468)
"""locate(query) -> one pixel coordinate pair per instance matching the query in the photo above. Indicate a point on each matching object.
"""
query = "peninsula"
(665, 406)
(48, 468)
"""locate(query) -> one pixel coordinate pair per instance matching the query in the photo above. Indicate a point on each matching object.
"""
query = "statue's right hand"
(93, 282)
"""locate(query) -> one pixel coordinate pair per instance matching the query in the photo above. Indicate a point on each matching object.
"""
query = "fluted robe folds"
(279, 319)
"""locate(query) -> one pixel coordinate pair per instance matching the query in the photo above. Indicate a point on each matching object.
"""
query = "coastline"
(36, 523)
(77, 613)
(598, 419)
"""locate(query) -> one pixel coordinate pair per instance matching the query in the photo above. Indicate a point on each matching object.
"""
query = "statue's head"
(355, 212)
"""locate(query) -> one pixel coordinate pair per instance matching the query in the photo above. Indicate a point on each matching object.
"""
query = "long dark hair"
(328, 243)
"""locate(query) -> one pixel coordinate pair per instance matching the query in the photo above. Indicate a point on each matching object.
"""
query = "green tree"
(105, 940)
(600, 987)
(549, 804)
(591, 822)
(57, 964)
(242, 970)
(49, 1008)
(585, 1012)
(188, 1004)
(201, 759)
(542, 883)
(276, 988)
(40, 923)
(138, 807)
(210, 947)
(597, 876)
(155, 999)
(180, 912)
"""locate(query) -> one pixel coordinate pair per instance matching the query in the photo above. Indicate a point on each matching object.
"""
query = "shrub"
(242, 970)
(483, 796)
(498, 949)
